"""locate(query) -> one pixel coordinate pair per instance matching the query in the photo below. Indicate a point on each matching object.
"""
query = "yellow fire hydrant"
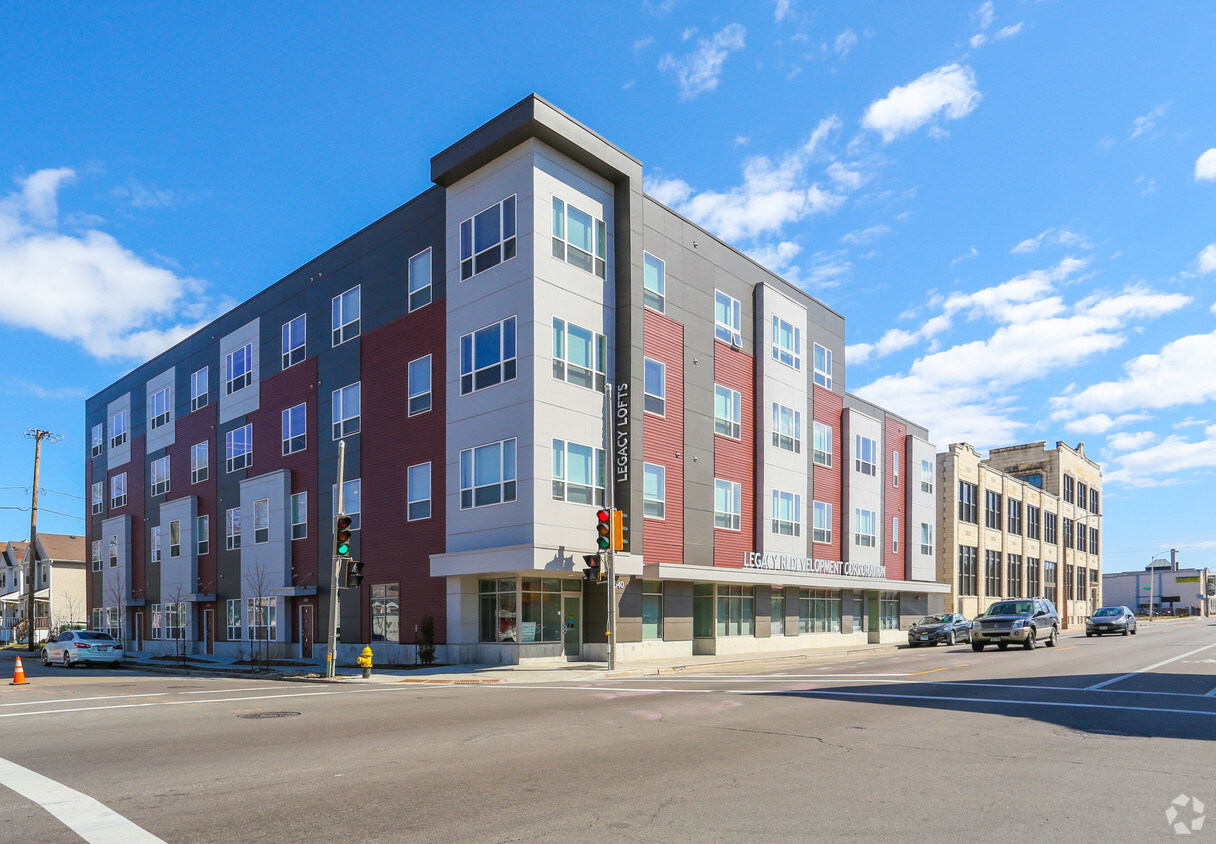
(365, 662)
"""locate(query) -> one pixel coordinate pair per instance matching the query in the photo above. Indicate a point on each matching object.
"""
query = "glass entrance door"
(571, 626)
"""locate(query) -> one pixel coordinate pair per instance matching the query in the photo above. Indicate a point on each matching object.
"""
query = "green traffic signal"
(342, 536)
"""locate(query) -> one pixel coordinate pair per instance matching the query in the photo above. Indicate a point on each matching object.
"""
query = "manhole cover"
(257, 715)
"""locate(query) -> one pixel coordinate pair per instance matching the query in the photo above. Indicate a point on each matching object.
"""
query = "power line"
(44, 490)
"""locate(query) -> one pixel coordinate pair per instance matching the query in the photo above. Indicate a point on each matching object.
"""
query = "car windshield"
(933, 619)
(1109, 611)
(1009, 608)
(102, 637)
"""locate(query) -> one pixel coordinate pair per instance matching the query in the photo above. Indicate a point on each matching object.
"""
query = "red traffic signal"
(342, 536)
(592, 572)
(603, 529)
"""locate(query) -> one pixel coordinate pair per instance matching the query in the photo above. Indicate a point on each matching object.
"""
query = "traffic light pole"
(610, 557)
(331, 657)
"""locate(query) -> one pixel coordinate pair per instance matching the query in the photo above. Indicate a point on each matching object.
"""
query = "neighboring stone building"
(1025, 521)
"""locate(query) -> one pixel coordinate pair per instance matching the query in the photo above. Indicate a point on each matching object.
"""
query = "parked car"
(1021, 620)
(82, 646)
(948, 628)
(1111, 620)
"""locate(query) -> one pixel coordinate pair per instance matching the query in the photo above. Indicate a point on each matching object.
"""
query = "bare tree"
(69, 614)
(116, 596)
(260, 583)
(176, 609)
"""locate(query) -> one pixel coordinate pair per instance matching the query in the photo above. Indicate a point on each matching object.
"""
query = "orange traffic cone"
(19, 675)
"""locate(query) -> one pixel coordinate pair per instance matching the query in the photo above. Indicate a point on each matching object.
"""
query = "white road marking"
(1063, 704)
(50, 701)
(1212, 693)
(1114, 680)
(88, 818)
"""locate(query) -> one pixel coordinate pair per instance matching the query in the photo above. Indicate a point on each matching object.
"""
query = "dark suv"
(1022, 620)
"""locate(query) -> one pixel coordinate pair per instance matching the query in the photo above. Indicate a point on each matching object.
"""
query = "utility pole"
(37, 435)
(331, 658)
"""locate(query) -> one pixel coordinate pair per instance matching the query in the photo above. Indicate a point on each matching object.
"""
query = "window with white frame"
(113, 622)
(158, 409)
(895, 535)
(926, 539)
(344, 313)
(579, 355)
(866, 458)
(728, 504)
(118, 491)
(420, 279)
(895, 468)
(295, 340)
(299, 515)
(98, 437)
(156, 544)
(345, 410)
(579, 238)
(821, 521)
(418, 492)
(157, 621)
(386, 612)
(199, 462)
(654, 491)
(654, 399)
(239, 448)
(113, 549)
(232, 528)
(202, 535)
(198, 389)
(787, 428)
(118, 429)
(419, 386)
(487, 238)
(865, 527)
(728, 412)
(823, 366)
(99, 614)
(96, 555)
(236, 630)
(487, 356)
(295, 429)
(787, 520)
(726, 319)
(98, 495)
(487, 474)
(654, 282)
(263, 618)
(578, 473)
(926, 476)
(787, 343)
(175, 621)
(352, 501)
(261, 521)
(239, 365)
(823, 444)
(160, 475)
(175, 538)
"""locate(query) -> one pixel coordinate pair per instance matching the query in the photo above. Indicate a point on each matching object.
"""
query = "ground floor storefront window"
(818, 611)
(542, 610)
(497, 617)
(703, 610)
(776, 618)
(888, 610)
(859, 612)
(652, 609)
(736, 610)
(385, 612)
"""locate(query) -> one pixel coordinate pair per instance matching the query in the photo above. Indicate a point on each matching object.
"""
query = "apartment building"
(1024, 521)
(497, 355)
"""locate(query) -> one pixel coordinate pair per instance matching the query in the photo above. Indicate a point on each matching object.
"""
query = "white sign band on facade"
(811, 565)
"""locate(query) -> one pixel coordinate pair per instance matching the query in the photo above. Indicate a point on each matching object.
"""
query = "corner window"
(728, 412)
(487, 474)
(865, 528)
(98, 493)
(866, 460)
(787, 428)
(579, 238)
(98, 437)
(239, 365)
(726, 319)
(654, 491)
(655, 398)
(294, 349)
(158, 409)
(418, 492)
(175, 538)
(198, 389)
(261, 521)
(232, 528)
(487, 356)
(345, 411)
(199, 462)
(202, 539)
(299, 515)
(118, 491)
(822, 527)
(239, 447)
(118, 429)
(823, 366)
(487, 239)
(787, 520)
(823, 444)
(654, 283)
(578, 473)
(344, 316)
(160, 476)
(420, 280)
(419, 386)
(787, 343)
(728, 504)
(295, 429)
(579, 355)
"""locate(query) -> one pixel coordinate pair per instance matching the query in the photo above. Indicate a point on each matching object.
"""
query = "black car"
(1111, 620)
(948, 628)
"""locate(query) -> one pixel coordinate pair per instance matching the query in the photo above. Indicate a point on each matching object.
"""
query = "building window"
(118, 491)
(344, 316)
(487, 356)
(98, 497)
(654, 282)
(736, 610)
(497, 610)
(294, 341)
(1050, 521)
(926, 539)
(113, 549)
(895, 468)
(1069, 488)
(232, 528)
(967, 575)
(992, 509)
(1068, 533)
(726, 319)
(160, 475)
(728, 504)
(175, 538)
(299, 515)
(818, 611)
(787, 428)
(992, 573)
(263, 619)
(823, 366)
(156, 622)
(823, 444)
(156, 544)
(352, 501)
(967, 501)
(728, 412)
(1093, 540)
(1050, 573)
(235, 626)
(295, 429)
(865, 533)
(895, 535)
(776, 611)
(99, 614)
(420, 282)
(654, 491)
(579, 238)
(579, 355)
(1013, 575)
(418, 492)
(1032, 576)
(787, 516)
(345, 410)
(118, 429)
(175, 621)
(386, 609)
(1093, 500)
(655, 397)
(199, 462)
(202, 535)
(198, 389)
(487, 474)
(1032, 522)
(1080, 529)
(419, 388)
(866, 459)
(239, 448)
(1082, 495)
(822, 526)
(888, 610)
(926, 476)
(578, 473)
(261, 521)
(787, 343)
(239, 369)
(652, 609)
(98, 437)
(1015, 516)
(487, 239)
(96, 555)
(158, 408)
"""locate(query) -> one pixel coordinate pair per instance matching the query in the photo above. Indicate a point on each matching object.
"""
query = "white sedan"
(82, 646)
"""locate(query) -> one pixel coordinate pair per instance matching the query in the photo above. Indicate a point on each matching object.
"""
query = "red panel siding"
(735, 460)
(895, 432)
(828, 481)
(189, 430)
(663, 439)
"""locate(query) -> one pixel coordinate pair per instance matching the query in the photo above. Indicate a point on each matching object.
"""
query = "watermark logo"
(1177, 807)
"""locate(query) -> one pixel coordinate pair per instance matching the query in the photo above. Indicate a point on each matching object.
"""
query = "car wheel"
(1029, 643)
(1002, 645)
(46, 659)
(950, 638)
(1053, 637)
(67, 662)
(977, 646)
(1134, 631)
(1088, 635)
(1124, 631)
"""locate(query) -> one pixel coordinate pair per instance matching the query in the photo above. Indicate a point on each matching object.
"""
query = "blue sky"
(1012, 203)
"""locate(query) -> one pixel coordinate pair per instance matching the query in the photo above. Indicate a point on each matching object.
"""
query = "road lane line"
(1212, 693)
(1063, 704)
(931, 671)
(88, 818)
(1114, 680)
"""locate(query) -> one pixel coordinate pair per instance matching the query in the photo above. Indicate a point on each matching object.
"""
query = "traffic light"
(618, 530)
(354, 574)
(342, 536)
(592, 572)
(603, 529)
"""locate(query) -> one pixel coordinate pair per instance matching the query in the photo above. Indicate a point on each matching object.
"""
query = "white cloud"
(970, 253)
(1009, 31)
(1206, 260)
(1205, 166)
(137, 195)
(742, 140)
(849, 178)
(978, 40)
(688, 33)
(1059, 237)
(83, 286)
(1100, 423)
(776, 256)
(1126, 441)
(893, 340)
(858, 238)
(844, 43)
(985, 15)
(949, 91)
(1146, 123)
(700, 71)
(1157, 464)
(1030, 244)
(781, 11)
(828, 270)
(644, 42)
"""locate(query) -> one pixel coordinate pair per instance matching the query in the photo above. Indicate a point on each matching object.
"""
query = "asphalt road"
(1089, 741)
